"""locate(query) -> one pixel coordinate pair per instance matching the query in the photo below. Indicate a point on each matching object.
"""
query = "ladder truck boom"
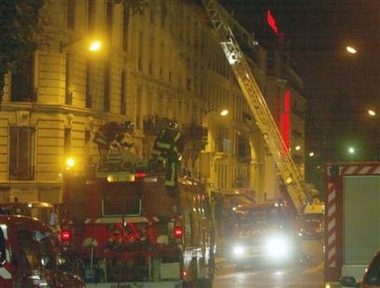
(256, 102)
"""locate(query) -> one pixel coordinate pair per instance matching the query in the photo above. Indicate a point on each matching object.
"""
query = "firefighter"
(106, 137)
(126, 141)
(127, 148)
(167, 149)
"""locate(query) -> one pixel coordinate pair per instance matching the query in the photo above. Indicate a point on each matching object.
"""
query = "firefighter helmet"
(127, 126)
(173, 125)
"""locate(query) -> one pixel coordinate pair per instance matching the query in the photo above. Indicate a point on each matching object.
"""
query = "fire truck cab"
(31, 255)
(263, 233)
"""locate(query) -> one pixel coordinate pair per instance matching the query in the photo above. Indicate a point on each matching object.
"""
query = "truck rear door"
(361, 222)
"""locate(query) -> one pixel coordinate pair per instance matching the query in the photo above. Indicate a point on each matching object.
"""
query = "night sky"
(339, 87)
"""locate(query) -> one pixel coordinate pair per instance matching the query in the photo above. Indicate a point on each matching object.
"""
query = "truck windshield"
(260, 216)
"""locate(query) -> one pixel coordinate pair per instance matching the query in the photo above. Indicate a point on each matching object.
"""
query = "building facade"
(163, 63)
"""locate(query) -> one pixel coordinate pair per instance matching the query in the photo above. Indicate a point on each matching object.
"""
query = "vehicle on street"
(312, 221)
(122, 224)
(235, 200)
(263, 233)
(32, 256)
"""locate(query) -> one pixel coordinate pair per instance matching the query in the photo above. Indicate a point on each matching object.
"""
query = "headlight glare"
(238, 250)
(277, 246)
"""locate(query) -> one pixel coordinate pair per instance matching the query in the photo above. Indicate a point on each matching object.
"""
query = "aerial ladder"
(256, 102)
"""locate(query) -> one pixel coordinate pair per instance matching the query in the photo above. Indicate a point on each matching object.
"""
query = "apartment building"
(161, 63)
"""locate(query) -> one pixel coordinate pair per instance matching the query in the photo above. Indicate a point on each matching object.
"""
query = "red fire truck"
(263, 233)
(121, 225)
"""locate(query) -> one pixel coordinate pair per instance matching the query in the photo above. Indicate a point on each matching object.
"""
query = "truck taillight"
(140, 174)
(178, 232)
(65, 235)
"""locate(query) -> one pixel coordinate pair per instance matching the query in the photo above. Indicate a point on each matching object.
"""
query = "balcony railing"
(21, 174)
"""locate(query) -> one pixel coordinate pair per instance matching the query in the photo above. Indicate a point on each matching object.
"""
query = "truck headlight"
(238, 250)
(277, 246)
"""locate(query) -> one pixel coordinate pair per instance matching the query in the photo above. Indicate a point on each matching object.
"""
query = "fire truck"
(263, 233)
(122, 225)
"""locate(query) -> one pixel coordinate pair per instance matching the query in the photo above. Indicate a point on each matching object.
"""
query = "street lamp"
(94, 45)
(70, 163)
(224, 112)
(351, 150)
(351, 50)
(371, 112)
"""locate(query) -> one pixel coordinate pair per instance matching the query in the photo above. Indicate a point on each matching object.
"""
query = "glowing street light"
(371, 112)
(70, 163)
(351, 150)
(351, 50)
(95, 45)
(224, 112)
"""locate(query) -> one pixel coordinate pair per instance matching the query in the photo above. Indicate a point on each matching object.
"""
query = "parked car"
(371, 276)
(31, 255)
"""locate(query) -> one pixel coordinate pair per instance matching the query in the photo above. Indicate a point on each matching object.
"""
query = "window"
(140, 51)
(109, 19)
(22, 82)
(70, 14)
(88, 85)
(30, 256)
(125, 28)
(91, 16)
(69, 92)
(67, 141)
(123, 93)
(107, 87)
(21, 154)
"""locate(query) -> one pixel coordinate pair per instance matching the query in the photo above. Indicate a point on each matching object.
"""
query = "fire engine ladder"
(285, 164)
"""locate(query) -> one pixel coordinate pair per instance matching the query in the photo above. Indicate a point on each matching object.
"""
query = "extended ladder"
(257, 104)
